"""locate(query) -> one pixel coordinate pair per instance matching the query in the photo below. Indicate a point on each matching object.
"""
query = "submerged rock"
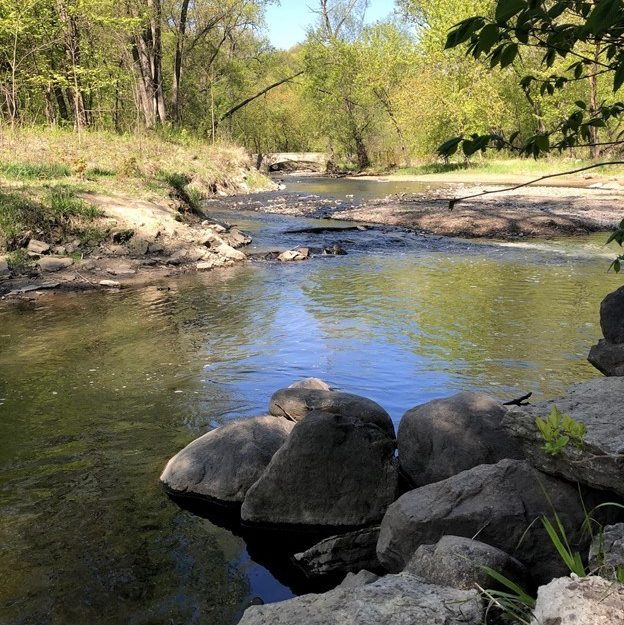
(599, 461)
(346, 553)
(579, 601)
(332, 471)
(223, 464)
(446, 436)
(391, 600)
(606, 555)
(500, 503)
(458, 562)
(296, 403)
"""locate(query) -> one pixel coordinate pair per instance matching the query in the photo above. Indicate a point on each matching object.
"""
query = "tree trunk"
(177, 61)
(156, 60)
(71, 42)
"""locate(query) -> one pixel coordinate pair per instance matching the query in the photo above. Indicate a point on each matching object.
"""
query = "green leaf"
(448, 148)
(488, 36)
(581, 104)
(506, 9)
(508, 55)
(618, 78)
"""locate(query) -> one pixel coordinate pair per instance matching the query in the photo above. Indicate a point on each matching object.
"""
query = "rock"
(37, 247)
(229, 252)
(155, 248)
(59, 250)
(43, 286)
(391, 600)
(606, 555)
(296, 403)
(223, 464)
(349, 552)
(608, 358)
(498, 502)
(579, 601)
(332, 471)
(53, 263)
(121, 270)
(113, 284)
(291, 255)
(4, 267)
(612, 316)
(599, 462)
(235, 238)
(335, 250)
(446, 436)
(311, 383)
(457, 562)
(353, 580)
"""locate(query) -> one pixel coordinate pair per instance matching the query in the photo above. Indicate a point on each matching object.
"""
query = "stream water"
(98, 390)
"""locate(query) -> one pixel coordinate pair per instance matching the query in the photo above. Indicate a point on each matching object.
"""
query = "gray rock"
(311, 383)
(291, 255)
(224, 463)
(235, 238)
(354, 580)
(612, 316)
(458, 562)
(599, 462)
(53, 263)
(37, 247)
(121, 270)
(350, 552)
(608, 358)
(391, 600)
(296, 403)
(606, 555)
(227, 251)
(579, 601)
(498, 503)
(446, 436)
(4, 267)
(332, 471)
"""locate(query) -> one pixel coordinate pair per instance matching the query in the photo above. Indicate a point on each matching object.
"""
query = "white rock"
(52, 263)
(113, 284)
(580, 601)
(38, 247)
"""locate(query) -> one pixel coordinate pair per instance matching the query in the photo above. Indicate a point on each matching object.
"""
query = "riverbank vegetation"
(383, 94)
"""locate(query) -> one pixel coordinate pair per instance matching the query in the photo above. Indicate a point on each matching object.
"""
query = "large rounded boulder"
(296, 403)
(612, 316)
(501, 504)
(443, 437)
(332, 471)
(223, 464)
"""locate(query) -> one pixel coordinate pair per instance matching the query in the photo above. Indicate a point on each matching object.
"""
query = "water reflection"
(97, 391)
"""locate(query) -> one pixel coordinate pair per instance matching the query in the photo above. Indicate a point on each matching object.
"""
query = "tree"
(588, 35)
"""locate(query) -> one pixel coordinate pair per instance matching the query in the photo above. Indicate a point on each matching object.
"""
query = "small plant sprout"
(559, 431)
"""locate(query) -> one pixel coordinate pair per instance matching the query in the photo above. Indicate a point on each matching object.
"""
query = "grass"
(511, 167)
(44, 173)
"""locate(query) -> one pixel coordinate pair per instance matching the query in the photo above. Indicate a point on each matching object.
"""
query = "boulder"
(446, 436)
(391, 600)
(606, 555)
(53, 263)
(223, 464)
(599, 461)
(332, 471)
(296, 403)
(608, 358)
(235, 238)
(579, 601)
(4, 267)
(612, 316)
(346, 553)
(311, 383)
(37, 247)
(458, 562)
(500, 503)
